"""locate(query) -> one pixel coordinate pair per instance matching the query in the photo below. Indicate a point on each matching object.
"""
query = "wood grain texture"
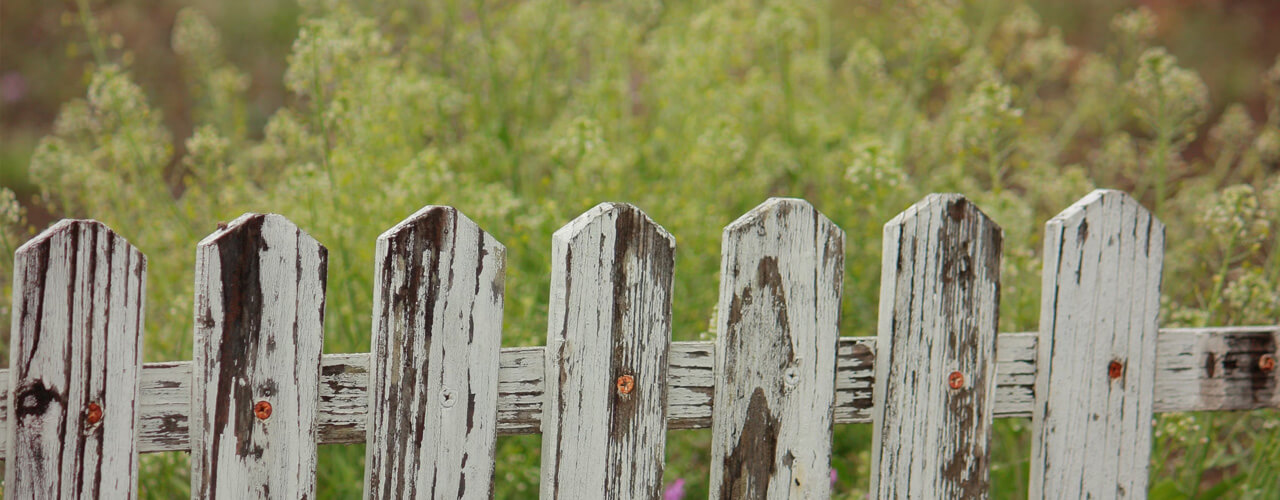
(1091, 421)
(76, 354)
(778, 326)
(437, 330)
(609, 321)
(939, 303)
(1197, 369)
(260, 292)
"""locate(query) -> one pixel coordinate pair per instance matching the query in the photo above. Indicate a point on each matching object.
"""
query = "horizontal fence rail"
(437, 388)
(1197, 369)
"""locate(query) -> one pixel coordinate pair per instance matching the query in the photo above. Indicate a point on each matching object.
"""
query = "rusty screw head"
(1115, 369)
(956, 380)
(262, 409)
(1267, 362)
(626, 384)
(93, 414)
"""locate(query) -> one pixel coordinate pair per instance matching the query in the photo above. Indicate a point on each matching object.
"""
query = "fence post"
(935, 367)
(433, 386)
(778, 324)
(259, 313)
(605, 418)
(75, 353)
(1096, 363)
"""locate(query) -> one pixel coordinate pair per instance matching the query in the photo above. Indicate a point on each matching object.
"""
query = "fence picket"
(605, 417)
(75, 355)
(433, 386)
(935, 367)
(260, 292)
(780, 279)
(1097, 351)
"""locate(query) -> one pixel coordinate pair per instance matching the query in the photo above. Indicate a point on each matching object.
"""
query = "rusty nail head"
(94, 414)
(626, 384)
(956, 380)
(1267, 362)
(262, 409)
(1115, 369)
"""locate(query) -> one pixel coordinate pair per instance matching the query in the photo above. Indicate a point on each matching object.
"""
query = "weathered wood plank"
(1214, 369)
(609, 327)
(691, 384)
(75, 353)
(1197, 369)
(778, 326)
(437, 330)
(260, 291)
(1091, 421)
(936, 372)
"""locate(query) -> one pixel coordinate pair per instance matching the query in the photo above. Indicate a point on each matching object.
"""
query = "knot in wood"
(93, 414)
(1267, 363)
(262, 410)
(956, 380)
(626, 384)
(1115, 369)
(446, 398)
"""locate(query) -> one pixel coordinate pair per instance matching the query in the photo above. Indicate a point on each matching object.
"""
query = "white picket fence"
(438, 387)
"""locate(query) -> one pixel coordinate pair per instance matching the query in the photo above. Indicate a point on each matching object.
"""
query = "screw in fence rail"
(1267, 363)
(626, 384)
(75, 353)
(1091, 422)
(93, 414)
(939, 297)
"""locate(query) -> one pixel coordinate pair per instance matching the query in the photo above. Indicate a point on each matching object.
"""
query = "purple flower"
(674, 491)
(12, 87)
(833, 478)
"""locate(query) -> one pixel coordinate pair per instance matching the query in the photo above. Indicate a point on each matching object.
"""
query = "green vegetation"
(523, 115)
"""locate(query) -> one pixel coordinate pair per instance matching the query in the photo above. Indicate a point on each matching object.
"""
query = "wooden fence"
(438, 387)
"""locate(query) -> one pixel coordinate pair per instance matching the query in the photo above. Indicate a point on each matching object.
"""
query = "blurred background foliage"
(162, 118)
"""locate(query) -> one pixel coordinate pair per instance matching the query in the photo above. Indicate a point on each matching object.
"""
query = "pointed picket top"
(433, 385)
(1108, 201)
(1103, 258)
(434, 220)
(609, 327)
(780, 284)
(612, 213)
(935, 367)
(76, 354)
(259, 225)
(259, 333)
(955, 205)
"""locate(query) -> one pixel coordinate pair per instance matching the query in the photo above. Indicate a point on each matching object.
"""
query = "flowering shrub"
(523, 115)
